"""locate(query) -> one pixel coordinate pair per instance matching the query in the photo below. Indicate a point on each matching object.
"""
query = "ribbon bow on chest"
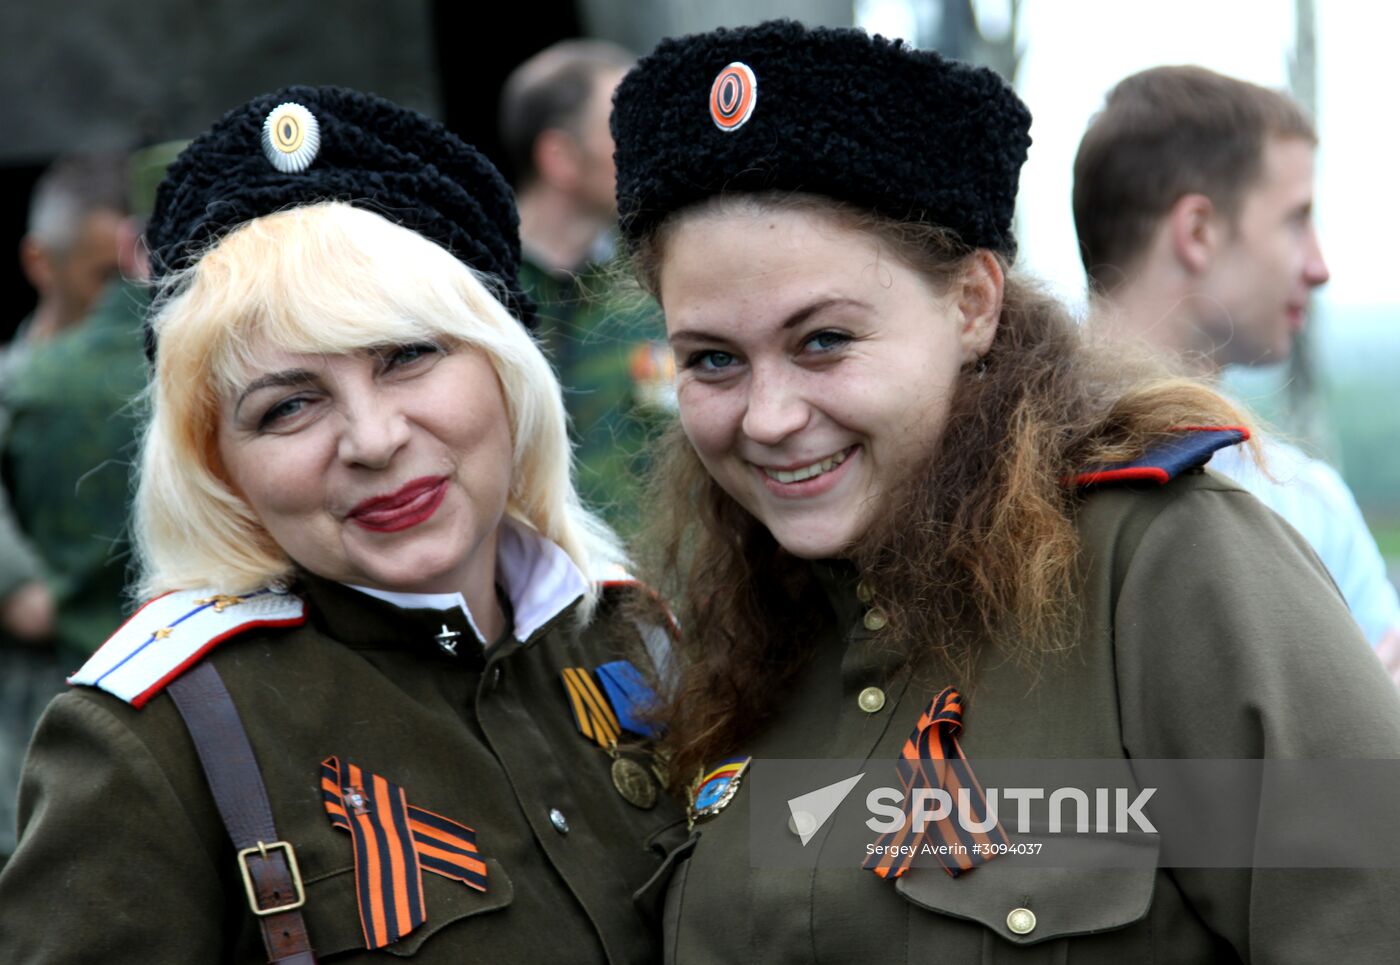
(932, 759)
(394, 843)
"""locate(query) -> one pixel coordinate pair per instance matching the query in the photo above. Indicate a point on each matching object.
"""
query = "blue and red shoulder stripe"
(1167, 459)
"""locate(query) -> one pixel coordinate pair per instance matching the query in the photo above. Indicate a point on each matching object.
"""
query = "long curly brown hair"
(978, 543)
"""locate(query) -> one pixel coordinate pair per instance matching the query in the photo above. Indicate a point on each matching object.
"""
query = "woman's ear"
(979, 295)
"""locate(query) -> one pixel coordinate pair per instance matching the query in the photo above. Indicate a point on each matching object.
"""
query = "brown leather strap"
(234, 777)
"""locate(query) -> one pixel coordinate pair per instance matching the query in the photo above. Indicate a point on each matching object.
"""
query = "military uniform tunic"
(1210, 631)
(123, 857)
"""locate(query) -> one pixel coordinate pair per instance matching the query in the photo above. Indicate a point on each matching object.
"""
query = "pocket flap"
(1110, 888)
(333, 913)
(648, 898)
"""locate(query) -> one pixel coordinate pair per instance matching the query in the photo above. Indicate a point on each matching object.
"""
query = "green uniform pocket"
(1031, 913)
(333, 914)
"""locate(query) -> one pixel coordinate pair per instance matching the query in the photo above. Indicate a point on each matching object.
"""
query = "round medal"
(633, 783)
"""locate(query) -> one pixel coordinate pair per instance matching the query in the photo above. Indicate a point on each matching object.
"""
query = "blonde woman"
(375, 598)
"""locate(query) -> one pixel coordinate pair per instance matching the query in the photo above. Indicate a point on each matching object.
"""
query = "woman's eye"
(404, 355)
(710, 361)
(827, 341)
(281, 412)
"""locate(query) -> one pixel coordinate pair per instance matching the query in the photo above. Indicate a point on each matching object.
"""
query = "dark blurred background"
(111, 75)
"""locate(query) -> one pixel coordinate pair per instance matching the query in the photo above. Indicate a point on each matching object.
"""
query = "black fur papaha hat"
(836, 112)
(303, 145)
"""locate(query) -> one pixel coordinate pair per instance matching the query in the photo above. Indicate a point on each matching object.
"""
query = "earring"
(981, 368)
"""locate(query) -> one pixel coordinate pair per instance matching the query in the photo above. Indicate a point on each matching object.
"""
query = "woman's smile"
(406, 507)
(806, 480)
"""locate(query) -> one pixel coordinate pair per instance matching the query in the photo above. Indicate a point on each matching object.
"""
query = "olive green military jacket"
(1211, 631)
(123, 858)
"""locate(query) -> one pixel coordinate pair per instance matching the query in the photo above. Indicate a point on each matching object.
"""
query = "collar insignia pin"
(447, 639)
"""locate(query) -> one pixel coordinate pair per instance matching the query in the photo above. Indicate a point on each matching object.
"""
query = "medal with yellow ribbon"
(603, 713)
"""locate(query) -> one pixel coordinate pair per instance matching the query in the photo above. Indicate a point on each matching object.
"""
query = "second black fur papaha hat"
(835, 112)
(303, 145)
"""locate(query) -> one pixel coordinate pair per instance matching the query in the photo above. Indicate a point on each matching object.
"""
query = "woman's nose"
(374, 430)
(776, 407)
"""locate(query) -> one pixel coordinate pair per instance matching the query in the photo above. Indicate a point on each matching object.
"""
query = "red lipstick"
(412, 503)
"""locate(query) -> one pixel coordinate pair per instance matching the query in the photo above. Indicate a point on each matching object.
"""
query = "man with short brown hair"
(1193, 197)
(606, 343)
(1193, 204)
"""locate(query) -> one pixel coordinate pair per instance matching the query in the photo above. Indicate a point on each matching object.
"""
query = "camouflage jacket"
(608, 348)
(66, 462)
(18, 564)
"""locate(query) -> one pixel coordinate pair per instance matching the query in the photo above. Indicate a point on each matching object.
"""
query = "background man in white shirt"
(1193, 205)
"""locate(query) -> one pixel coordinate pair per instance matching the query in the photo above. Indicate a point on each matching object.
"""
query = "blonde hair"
(326, 278)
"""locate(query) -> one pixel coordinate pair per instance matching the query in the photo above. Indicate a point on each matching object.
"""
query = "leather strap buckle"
(263, 850)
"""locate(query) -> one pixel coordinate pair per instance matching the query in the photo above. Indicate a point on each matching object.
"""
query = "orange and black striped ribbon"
(932, 758)
(447, 848)
(394, 843)
(593, 712)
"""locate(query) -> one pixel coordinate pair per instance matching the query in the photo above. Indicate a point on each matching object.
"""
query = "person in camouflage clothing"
(616, 371)
(68, 254)
(67, 458)
(606, 341)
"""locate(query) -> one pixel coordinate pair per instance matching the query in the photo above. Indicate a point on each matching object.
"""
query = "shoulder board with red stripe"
(615, 574)
(657, 638)
(173, 632)
(1167, 459)
(615, 577)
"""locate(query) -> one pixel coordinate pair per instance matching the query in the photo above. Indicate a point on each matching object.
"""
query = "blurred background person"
(69, 254)
(605, 340)
(1193, 201)
(73, 423)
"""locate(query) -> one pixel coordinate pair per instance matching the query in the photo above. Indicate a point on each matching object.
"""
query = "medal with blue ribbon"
(603, 714)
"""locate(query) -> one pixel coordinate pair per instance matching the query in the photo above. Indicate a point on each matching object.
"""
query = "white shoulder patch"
(171, 633)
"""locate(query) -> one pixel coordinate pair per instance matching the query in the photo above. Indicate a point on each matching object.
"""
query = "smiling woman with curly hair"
(909, 514)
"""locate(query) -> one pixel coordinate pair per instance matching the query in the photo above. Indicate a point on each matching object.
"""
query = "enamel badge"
(714, 790)
(733, 96)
